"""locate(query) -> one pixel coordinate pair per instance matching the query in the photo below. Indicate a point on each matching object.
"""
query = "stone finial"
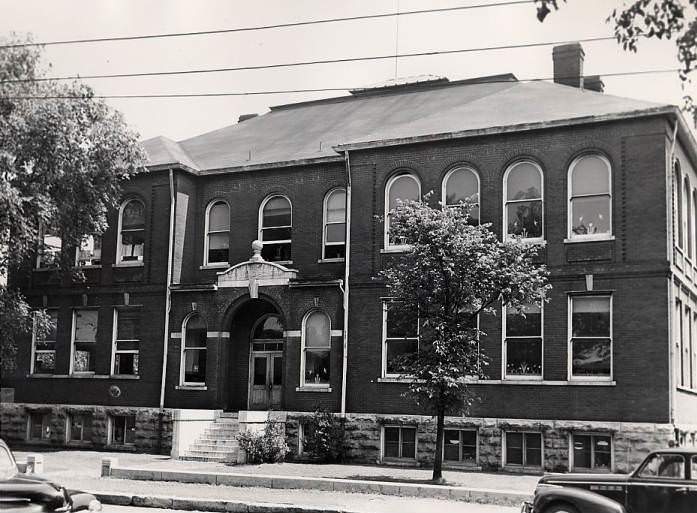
(257, 246)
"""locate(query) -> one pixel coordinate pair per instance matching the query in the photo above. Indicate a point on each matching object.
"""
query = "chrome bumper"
(526, 507)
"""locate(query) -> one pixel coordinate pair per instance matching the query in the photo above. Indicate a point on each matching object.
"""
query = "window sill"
(576, 240)
(687, 390)
(316, 388)
(527, 240)
(398, 379)
(45, 376)
(395, 249)
(89, 374)
(521, 377)
(123, 376)
(192, 387)
(330, 260)
(592, 381)
(214, 266)
(129, 264)
(542, 382)
(79, 267)
(46, 269)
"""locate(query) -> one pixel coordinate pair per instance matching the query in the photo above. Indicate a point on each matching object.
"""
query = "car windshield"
(7, 464)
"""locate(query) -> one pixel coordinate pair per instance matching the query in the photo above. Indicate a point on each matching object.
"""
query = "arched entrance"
(255, 361)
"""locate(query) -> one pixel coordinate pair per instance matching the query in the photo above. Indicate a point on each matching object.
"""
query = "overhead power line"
(314, 90)
(313, 62)
(267, 27)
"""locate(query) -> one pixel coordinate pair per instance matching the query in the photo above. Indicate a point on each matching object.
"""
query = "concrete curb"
(499, 497)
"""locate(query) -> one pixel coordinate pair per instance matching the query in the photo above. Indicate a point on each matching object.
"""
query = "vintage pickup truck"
(665, 482)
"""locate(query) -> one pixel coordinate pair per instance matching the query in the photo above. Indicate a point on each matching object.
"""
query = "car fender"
(583, 500)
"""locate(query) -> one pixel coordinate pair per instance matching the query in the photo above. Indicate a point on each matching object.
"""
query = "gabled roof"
(313, 131)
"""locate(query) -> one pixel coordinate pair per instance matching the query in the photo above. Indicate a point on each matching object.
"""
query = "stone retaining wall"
(149, 436)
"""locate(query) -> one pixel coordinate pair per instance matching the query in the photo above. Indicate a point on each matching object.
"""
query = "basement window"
(399, 442)
(460, 445)
(79, 427)
(523, 449)
(122, 429)
(592, 452)
(38, 428)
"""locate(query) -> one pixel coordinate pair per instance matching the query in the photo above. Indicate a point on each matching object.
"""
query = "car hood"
(583, 478)
(32, 487)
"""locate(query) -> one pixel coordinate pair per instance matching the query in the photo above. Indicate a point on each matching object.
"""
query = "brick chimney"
(568, 65)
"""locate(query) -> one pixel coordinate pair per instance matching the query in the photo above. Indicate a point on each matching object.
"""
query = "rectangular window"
(592, 452)
(400, 337)
(399, 442)
(460, 445)
(49, 251)
(79, 427)
(44, 347)
(685, 356)
(523, 342)
(90, 251)
(84, 340)
(305, 431)
(39, 428)
(590, 329)
(126, 341)
(122, 429)
(523, 449)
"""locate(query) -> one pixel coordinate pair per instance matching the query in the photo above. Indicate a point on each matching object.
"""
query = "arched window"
(275, 227)
(334, 235)
(267, 334)
(194, 351)
(131, 241)
(399, 188)
(523, 195)
(678, 198)
(217, 243)
(590, 198)
(687, 216)
(462, 184)
(316, 350)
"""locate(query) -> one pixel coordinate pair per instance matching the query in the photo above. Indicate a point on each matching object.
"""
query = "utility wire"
(267, 27)
(309, 63)
(317, 90)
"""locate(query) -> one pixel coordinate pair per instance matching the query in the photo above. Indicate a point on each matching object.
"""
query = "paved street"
(463, 508)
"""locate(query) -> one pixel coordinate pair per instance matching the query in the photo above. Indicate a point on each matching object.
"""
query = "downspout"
(347, 266)
(168, 294)
(672, 378)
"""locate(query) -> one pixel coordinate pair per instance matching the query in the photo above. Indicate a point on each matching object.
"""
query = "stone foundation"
(149, 436)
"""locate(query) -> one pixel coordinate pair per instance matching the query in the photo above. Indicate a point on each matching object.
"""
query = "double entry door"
(265, 380)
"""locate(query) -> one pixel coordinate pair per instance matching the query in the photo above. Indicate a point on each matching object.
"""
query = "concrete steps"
(218, 443)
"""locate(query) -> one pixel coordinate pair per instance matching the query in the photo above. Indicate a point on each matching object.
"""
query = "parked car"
(31, 493)
(665, 482)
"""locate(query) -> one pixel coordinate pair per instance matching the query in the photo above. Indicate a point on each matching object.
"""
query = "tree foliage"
(62, 162)
(659, 19)
(453, 272)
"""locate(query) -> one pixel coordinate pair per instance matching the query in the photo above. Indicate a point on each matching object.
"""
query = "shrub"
(324, 437)
(268, 446)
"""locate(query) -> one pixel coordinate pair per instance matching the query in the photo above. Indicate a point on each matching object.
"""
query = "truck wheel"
(561, 508)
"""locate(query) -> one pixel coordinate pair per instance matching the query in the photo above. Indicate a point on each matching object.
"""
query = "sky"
(186, 117)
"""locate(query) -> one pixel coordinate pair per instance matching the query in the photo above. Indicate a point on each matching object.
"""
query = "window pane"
(514, 448)
(196, 336)
(317, 330)
(391, 442)
(50, 336)
(462, 185)
(582, 451)
(336, 207)
(335, 251)
(128, 325)
(396, 350)
(602, 452)
(133, 215)
(590, 215)
(195, 365)
(336, 232)
(408, 443)
(50, 251)
(118, 432)
(37, 426)
(86, 325)
(524, 356)
(469, 446)
(276, 252)
(219, 217)
(132, 244)
(84, 357)
(276, 212)
(591, 317)
(270, 328)
(590, 176)
(401, 322)
(260, 370)
(126, 364)
(277, 370)
(451, 445)
(218, 244)
(130, 429)
(525, 218)
(272, 234)
(591, 357)
(317, 367)
(524, 182)
(90, 251)
(403, 188)
(533, 449)
(45, 363)
(529, 325)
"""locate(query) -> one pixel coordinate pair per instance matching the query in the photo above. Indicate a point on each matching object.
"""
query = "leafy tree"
(452, 272)
(660, 19)
(62, 162)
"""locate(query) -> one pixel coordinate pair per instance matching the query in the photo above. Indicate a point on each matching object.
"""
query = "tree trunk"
(438, 457)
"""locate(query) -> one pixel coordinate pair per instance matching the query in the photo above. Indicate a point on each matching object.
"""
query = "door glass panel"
(582, 451)
(260, 370)
(277, 370)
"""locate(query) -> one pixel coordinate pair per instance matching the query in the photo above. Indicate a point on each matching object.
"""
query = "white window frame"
(570, 197)
(207, 234)
(260, 224)
(89, 264)
(541, 199)
(593, 434)
(303, 350)
(384, 373)
(69, 428)
(678, 186)
(45, 420)
(110, 434)
(325, 224)
(400, 457)
(35, 351)
(119, 245)
(570, 376)
(687, 217)
(504, 443)
(182, 357)
(476, 446)
(504, 342)
(386, 224)
(444, 188)
(40, 253)
(114, 340)
(73, 330)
